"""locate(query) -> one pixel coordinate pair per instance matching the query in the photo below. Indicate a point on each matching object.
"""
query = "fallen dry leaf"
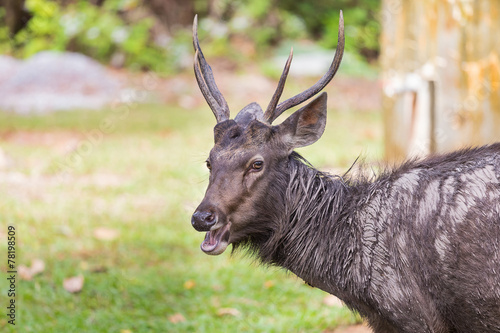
(73, 284)
(125, 331)
(331, 300)
(24, 272)
(106, 234)
(37, 266)
(27, 273)
(176, 318)
(228, 312)
(269, 284)
(189, 284)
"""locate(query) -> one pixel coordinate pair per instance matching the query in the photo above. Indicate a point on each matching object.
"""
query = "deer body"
(416, 250)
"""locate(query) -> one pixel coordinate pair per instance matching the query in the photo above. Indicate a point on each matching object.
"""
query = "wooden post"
(444, 56)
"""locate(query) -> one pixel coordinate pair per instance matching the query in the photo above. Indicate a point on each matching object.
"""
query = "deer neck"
(316, 240)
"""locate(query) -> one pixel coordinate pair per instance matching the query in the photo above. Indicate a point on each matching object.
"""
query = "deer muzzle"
(216, 240)
(217, 228)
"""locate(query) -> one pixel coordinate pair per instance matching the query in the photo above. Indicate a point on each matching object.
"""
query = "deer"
(415, 248)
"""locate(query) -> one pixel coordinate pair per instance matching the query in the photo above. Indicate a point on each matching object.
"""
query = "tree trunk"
(16, 16)
(441, 73)
(172, 13)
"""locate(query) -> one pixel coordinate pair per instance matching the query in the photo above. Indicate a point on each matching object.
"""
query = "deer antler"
(269, 115)
(274, 111)
(206, 82)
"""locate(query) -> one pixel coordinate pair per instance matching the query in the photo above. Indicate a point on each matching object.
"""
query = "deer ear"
(305, 126)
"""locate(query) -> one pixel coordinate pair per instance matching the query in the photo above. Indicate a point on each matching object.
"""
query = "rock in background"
(51, 81)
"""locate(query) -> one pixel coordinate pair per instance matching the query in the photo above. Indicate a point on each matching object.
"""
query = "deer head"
(250, 153)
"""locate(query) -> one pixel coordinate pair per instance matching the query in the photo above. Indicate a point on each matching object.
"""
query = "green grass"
(141, 173)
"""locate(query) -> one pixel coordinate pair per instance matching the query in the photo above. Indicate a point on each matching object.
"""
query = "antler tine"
(318, 86)
(269, 115)
(206, 82)
(205, 91)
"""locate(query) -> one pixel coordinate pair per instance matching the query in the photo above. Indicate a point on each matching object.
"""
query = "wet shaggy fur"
(415, 250)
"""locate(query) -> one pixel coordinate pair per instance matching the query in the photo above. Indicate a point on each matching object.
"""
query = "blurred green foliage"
(99, 32)
(362, 28)
(268, 22)
(239, 30)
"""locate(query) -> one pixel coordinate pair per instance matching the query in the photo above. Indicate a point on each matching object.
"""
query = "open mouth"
(216, 240)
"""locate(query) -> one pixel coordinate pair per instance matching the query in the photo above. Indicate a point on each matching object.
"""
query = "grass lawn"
(108, 195)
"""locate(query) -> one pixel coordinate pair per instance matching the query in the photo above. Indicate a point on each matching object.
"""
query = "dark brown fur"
(387, 266)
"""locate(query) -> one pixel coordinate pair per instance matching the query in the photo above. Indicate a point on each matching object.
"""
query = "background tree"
(16, 15)
(172, 13)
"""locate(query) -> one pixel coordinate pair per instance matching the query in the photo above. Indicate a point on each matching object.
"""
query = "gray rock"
(8, 67)
(51, 81)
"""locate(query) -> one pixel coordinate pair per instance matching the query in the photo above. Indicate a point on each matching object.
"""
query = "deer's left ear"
(305, 126)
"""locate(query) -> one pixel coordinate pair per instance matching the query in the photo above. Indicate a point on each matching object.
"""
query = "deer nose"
(203, 220)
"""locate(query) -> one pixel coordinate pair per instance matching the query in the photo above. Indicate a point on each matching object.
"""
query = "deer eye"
(257, 165)
(209, 166)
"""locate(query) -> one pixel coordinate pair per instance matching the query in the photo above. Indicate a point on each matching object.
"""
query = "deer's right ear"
(305, 126)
